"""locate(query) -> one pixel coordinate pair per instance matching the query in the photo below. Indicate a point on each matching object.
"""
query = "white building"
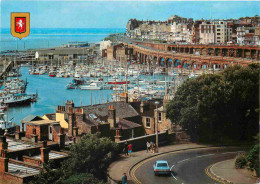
(179, 33)
(105, 44)
(223, 34)
(207, 33)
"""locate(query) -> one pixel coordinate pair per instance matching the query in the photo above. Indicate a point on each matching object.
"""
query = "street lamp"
(157, 114)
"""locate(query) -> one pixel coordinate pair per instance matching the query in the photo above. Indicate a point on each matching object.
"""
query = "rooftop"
(31, 118)
(123, 110)
(15, 145)
(52, 155)
(51, 116)
(125, 124)
(21, 170)
(42, 122)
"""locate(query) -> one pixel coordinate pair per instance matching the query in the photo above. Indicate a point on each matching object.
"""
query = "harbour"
(52, 92)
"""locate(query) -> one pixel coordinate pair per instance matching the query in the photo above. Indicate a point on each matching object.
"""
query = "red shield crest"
(20, 24)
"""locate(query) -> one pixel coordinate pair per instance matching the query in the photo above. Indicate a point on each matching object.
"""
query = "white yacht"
(92, 86)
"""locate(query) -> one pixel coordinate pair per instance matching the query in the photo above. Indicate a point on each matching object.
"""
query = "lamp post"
(157, 145)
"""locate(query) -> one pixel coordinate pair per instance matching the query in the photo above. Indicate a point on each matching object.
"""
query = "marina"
(94, 90)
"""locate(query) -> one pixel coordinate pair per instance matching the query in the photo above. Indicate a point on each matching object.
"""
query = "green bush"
(253, 159)
(240, 161)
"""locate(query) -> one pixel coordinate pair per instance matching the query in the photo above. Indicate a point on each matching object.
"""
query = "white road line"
(172, 167)
(183, 160)
(205, 155)
(173, 176)
(233, 152)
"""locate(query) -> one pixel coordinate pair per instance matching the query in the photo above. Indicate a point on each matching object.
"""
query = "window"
(160, 116)
(148, 124)
(218, 29)
(162, 165)
(218, 33)
(50, 130)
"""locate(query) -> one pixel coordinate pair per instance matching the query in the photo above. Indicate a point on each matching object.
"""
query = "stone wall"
(29, 130)
(8, 178)
(55, 132)
(120, 55)
(139, 143)
(110, 56)
(41, 131)
(31, 160)
(151, 129)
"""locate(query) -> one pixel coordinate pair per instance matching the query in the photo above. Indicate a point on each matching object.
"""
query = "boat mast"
(6, 115)
(138, 80)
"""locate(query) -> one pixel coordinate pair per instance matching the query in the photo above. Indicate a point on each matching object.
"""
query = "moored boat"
(52, 74)
(92, 86)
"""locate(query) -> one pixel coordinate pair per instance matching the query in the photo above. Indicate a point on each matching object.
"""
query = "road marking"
(232, 152)
(204, 155)
(173, 176)
(172, 167)
(183, 160)
(134, 168)
(209, 174)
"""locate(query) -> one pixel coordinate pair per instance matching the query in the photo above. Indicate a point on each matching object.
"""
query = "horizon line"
(70, 28)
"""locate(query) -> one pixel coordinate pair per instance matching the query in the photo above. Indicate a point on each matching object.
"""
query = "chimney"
(18, 134)
(44, 152)
(118, 137)
(142, 106)
(4, 161)
(61, 138)
(75, 131)
(79, 115)
(70, 121)
(3, 143)
(60, 109)
(69, 104)
(111, 116)
(34, 136)
(124, 97)
(166, 100)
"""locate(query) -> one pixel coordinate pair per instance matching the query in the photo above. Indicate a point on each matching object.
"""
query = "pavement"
(226, 172)
(125, 163)
(222, 171)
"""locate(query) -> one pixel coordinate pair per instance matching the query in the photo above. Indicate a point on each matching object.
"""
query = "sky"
(115, 14)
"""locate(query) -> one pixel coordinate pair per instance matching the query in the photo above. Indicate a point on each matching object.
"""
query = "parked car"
(161, 167)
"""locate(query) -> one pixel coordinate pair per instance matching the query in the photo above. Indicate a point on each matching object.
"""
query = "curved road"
(186, 166)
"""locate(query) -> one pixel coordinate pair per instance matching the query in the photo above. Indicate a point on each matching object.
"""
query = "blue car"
(161, 167)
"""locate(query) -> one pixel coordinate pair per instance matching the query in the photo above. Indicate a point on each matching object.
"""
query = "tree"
(88, 162)
(82, 179)
(92, 155)
(218, 106)
(48, 175)
(253, 157)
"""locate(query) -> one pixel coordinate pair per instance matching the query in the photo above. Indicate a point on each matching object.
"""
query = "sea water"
(52, 92)
(48, 38)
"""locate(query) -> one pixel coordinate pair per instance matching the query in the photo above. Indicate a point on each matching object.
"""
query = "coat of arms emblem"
(20, 24)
